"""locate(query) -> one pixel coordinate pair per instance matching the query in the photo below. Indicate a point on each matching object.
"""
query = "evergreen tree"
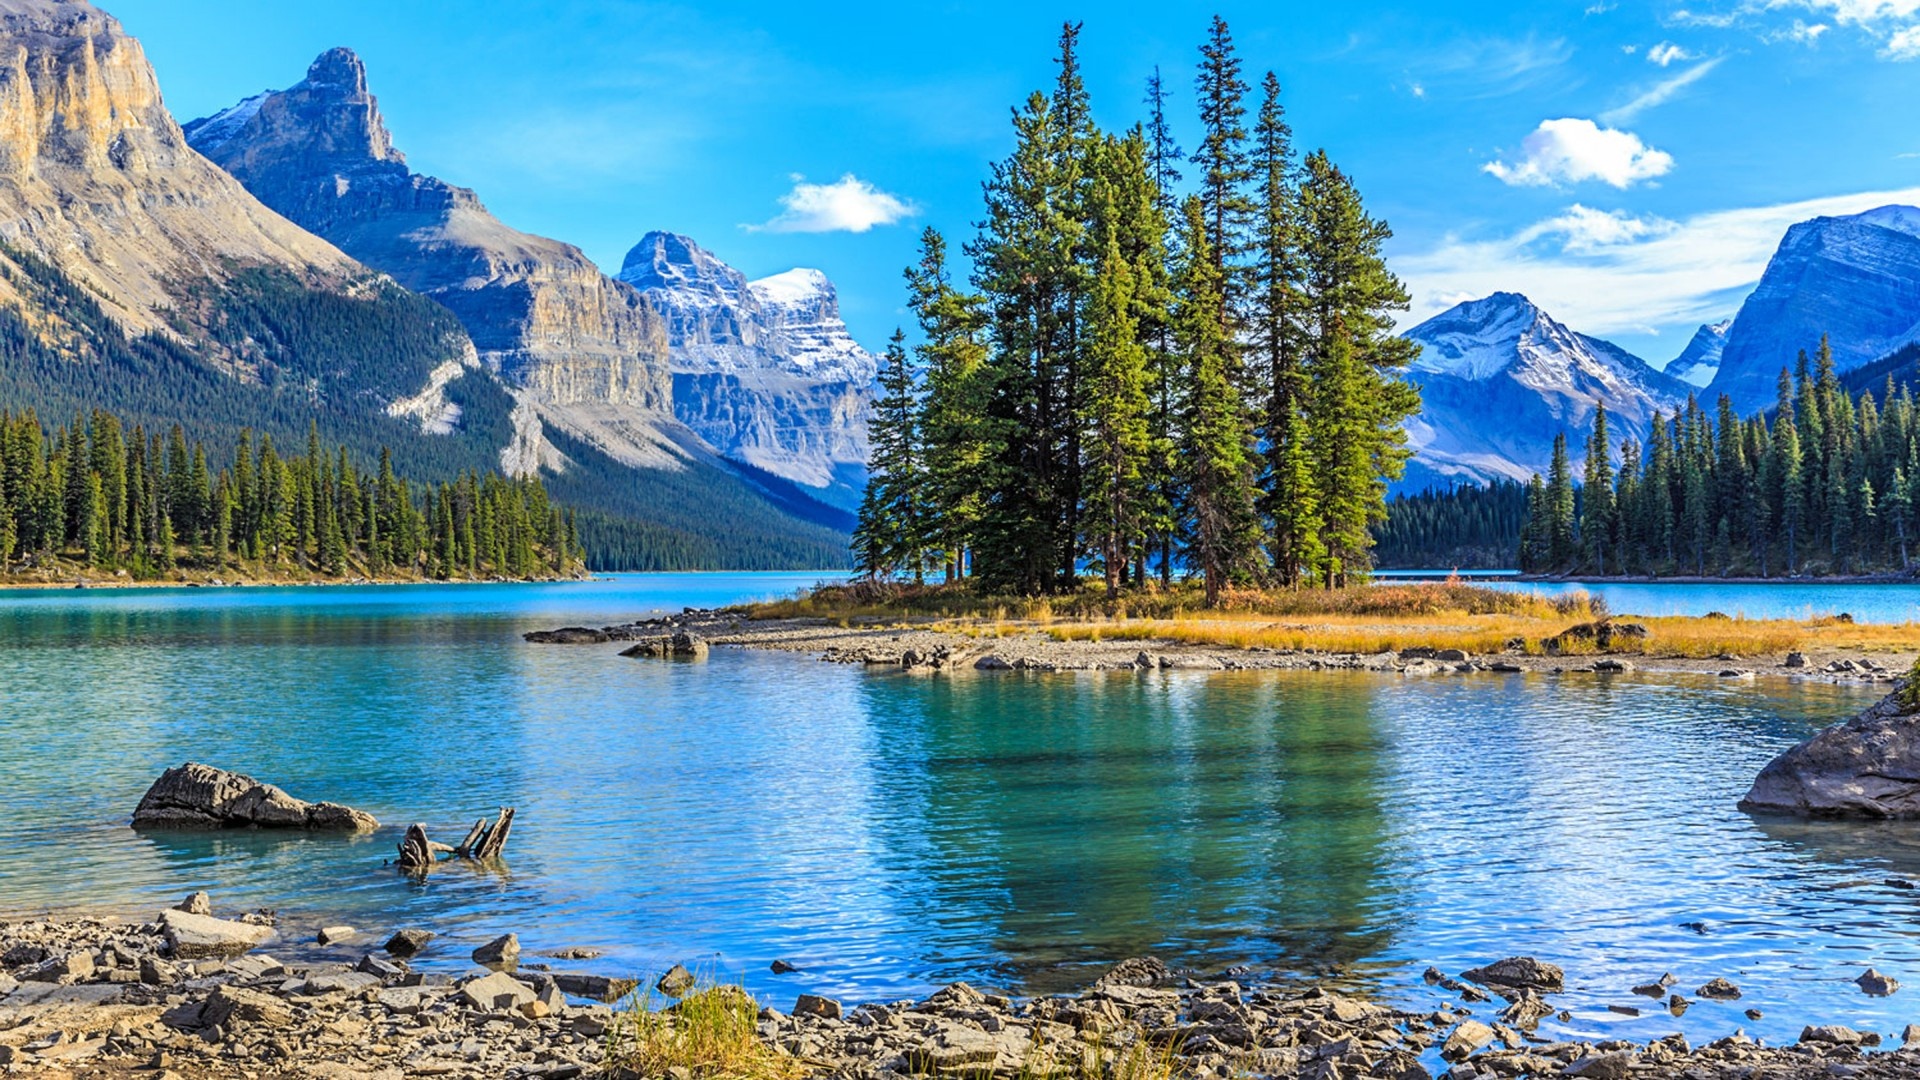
(1115, 411)
(890, 537)
(1560, 507)
(1596, 504)
(1220, 521)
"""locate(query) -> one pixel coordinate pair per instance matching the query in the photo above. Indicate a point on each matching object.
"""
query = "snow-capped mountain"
(1699, 362)
(1499, 378)
(764, 370)
(1855, 279)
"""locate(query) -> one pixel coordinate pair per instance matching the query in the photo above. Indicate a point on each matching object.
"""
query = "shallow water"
(890, 833)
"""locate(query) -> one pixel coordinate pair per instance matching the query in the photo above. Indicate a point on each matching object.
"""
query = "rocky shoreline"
(938, 647)
(191, 997)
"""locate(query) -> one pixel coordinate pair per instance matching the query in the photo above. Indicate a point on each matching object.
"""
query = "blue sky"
(1628, 165)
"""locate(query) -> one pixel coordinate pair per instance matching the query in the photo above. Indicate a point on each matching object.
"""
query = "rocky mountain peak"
(764, 370)
(1854, 279)
(1499, 377)
(584, 351)
(328, 121)
(96, 176)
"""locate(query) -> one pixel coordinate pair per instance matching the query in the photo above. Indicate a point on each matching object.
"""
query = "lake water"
(1875, 602)
(890, 833)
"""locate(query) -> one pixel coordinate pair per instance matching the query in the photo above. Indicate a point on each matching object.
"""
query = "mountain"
(580, 350)
(764, 370)
(581, 356)
(139, 277)
(1856, 279)
(1699, 362)
(1499, 378)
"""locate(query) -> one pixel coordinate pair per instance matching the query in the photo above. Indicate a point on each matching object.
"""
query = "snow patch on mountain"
(1500, 378)
(1699, 362)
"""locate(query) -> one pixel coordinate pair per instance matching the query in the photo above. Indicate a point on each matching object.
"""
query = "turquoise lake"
(890, 833)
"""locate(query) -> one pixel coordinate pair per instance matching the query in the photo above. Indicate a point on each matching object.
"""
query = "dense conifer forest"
(105, 496)
(306, 356)
(1469, 527)
(1144, 380)
(1824, 483)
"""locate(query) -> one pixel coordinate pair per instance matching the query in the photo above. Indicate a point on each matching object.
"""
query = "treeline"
(1470, 527)
(1826, 485)
(1142, 381)
(109, 496)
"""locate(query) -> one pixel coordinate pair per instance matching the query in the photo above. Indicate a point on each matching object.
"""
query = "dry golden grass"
(710, 1034)
(1365, 619)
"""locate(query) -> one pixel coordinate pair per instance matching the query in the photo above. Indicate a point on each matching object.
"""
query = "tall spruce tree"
(1222, 159)
(1220, 521)
(890, 536)
(1596, 504)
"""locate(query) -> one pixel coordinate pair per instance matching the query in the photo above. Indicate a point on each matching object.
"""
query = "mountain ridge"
(1499, 377)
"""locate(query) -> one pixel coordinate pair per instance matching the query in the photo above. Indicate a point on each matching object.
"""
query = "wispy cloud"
(1626, 276)
(1571, 151)
(1893, 25)
(1661, 93)
(1487, 67)
(849, 204)
(1667, 53)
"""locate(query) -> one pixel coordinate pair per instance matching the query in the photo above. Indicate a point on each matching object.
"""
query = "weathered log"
(485, 841)
(465, 848)
(416, 851)
(495, 841)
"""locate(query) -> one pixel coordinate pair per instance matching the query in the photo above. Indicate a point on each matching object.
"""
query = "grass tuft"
(710, 1034)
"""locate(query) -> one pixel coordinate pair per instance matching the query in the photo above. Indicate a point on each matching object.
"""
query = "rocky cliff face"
(1500, 378)
(763, 370)
(584, 350)
(1855, 279)
(97, 178)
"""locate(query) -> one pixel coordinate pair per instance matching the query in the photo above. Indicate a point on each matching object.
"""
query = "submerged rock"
(1865, 767)
(201, 796)
(1519, 973)
(568, 635)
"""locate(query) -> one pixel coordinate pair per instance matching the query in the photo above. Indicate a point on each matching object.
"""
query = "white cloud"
(1903, 45)
(1629, 49)
(1801, 32)
(1667, 53)
(1863, 12)
(1672, 275)
(1569, 150)
(1583, 230)
(1661, 93)
(849, 204)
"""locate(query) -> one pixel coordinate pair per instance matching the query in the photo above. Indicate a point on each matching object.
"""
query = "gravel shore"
(94, 1000)
(932, 647)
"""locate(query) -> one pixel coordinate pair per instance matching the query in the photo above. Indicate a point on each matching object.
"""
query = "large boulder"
(201, 796)
(203, 937)
(1868, 767)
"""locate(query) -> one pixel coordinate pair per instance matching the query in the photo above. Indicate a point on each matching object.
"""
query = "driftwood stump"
(484, 842)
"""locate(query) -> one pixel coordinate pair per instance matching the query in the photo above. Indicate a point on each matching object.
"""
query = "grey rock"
(1876, 984)
(595, 987)
(200, 937)
(1865, 767)
(1831, 1034)
(568, 635)
(200, 796)
(496, 991)
(1614, 1066)
(197, 904)
(405, 943)
(814, 1005)
(232, 1008)
(1719, 990)
(503, 951)
(677, 981)
(1519, 972)
(332, 935)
